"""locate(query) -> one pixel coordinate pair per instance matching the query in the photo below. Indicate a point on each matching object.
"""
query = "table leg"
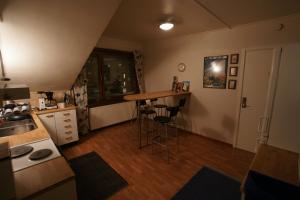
(139, 124)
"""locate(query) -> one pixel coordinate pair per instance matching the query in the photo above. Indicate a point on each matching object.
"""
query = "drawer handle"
(69, 138)
(49, 116)
(68, 132)
(67, 120)
(66, 114)
(68, 126)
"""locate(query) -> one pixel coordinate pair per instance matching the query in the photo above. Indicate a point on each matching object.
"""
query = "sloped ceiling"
(139, 19)
(45, 43)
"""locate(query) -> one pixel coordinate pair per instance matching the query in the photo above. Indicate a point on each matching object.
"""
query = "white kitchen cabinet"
(49, 123)
(62, 126)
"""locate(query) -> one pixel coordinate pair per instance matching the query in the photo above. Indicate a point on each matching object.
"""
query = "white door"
(258, 68)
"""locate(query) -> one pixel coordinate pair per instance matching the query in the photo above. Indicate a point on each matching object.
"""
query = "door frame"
(270, 95)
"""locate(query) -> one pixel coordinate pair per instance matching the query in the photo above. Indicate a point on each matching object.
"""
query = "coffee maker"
(48, 102)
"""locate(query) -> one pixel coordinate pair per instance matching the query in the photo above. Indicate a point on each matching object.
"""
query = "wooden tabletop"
(277, 163)
(153, 95)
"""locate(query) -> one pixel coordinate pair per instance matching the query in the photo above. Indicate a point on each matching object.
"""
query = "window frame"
(100, 53)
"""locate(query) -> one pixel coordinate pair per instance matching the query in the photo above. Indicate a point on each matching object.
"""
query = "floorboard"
(148, 173)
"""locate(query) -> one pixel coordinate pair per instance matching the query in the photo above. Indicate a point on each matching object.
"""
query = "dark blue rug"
(95, 179)
(209, 184)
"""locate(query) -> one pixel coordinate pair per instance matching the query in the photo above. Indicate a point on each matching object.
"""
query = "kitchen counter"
(68, 107)
(38, 178)
(276, 163)
(272, 168)
(37, 134)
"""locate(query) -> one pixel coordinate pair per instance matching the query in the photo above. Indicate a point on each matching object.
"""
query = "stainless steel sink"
(16, 127)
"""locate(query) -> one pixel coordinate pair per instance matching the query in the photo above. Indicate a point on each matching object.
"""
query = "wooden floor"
(148, 174)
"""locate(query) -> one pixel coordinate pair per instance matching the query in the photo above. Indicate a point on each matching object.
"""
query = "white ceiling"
(139, 19)
(44, 44)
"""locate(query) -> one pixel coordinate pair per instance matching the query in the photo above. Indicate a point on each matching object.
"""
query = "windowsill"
(113, 100)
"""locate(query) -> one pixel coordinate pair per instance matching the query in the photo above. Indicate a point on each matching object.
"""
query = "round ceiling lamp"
(166, 26)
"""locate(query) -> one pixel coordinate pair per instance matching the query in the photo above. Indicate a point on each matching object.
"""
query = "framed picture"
(234, 58)
(233, 71)
(232, 84)
(186, 86)
(215, 72)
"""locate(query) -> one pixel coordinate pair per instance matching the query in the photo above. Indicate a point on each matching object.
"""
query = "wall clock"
(181, 67)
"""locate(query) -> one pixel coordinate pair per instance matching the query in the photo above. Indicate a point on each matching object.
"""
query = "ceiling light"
(166, 26)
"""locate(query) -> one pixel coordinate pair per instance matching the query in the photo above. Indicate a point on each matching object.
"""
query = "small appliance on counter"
(48, 102)
(42, 105)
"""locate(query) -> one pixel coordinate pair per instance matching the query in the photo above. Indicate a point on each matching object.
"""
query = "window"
(110, 75)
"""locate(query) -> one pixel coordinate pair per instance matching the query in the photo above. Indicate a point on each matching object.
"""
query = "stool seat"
(171, 108)
(160, 106)
(148, 112)
(162, 119)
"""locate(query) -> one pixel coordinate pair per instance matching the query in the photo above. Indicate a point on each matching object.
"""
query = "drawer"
(68, 114)
(64, 139)
(67, 135)
(62, 125)
(66, 120)
(69, 132)
(66, 126)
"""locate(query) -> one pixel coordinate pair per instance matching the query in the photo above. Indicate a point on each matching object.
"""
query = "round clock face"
(181, 67)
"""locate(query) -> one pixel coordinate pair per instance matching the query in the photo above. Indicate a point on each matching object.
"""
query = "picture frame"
(234, 58)
(233, 71)
(232, 84)
(186, 86)
(215, 72)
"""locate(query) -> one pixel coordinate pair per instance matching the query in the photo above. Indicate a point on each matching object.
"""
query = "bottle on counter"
(174, 84)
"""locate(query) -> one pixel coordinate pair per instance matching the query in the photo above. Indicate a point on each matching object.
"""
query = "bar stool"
(164, 122)
(161, 108)
(180, 107)
(142, 107)
(147, 118)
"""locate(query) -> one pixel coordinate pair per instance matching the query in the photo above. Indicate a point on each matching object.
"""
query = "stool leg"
(182, 119)
(166, 141)
(177, 137)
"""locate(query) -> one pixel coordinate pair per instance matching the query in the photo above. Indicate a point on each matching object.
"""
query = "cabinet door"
(49, 122)
(66, 126)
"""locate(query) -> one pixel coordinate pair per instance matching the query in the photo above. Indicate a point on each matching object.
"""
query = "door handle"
(244, 102)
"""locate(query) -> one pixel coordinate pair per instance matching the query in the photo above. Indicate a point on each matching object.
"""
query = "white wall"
(285, 127)
(43, 42)
(211, 112)
(117, 44)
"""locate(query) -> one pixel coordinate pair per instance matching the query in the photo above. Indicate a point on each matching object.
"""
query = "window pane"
(118, 75)
(92, 73)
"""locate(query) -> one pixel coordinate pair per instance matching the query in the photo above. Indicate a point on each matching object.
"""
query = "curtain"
(138, 58)
(81, 101)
